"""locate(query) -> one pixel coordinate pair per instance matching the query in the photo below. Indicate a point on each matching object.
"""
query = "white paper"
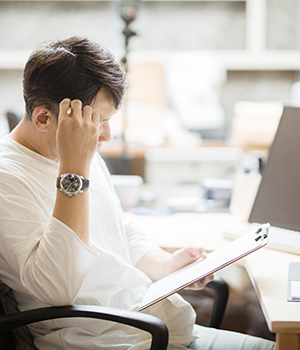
(201, 268)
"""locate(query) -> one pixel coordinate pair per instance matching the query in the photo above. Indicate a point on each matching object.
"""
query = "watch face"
(71, 184)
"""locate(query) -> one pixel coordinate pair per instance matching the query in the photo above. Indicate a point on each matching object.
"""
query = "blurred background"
(207, 84)
(201, 74)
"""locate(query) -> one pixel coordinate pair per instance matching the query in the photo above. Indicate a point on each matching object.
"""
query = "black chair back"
(6, 338)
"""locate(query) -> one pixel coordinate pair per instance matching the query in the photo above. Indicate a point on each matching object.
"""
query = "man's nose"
(105, 134)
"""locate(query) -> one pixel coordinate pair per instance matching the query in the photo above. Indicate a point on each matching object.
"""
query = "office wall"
(188, 25)
(161, 25)
(25, 24)
(175, 25)
(282, 22)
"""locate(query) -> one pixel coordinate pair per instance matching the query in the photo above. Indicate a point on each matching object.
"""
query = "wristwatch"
(72, 184)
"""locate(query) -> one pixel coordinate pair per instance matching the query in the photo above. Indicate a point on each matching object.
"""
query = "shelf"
(13, 59)
(118, 0)
(238, 60)
(265, 60)
(234, 60)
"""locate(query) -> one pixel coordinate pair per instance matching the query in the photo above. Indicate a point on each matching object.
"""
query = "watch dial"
(71, 183)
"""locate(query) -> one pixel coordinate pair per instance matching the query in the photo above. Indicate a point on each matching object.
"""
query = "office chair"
(12, 120)
(148, 323)
(14, 116)
(220, 287)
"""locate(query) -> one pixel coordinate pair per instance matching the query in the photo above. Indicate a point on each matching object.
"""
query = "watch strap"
(85, 184)
(58, 182)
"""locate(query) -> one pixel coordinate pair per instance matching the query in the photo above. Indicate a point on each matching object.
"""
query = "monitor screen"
(278, 197)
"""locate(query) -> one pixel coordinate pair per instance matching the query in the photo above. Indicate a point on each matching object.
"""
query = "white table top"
(181, 229)
(268, 270)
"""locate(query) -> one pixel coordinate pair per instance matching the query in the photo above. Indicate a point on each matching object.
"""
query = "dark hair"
(74, 68)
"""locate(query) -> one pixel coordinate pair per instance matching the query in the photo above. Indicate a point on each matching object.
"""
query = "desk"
(268, 269)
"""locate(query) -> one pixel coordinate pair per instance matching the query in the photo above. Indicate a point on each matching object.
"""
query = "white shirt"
(45, 262)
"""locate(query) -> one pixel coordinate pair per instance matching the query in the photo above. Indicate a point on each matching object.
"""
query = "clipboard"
(201, 268)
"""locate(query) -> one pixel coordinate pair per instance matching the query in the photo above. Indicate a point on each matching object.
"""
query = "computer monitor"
(278, 196)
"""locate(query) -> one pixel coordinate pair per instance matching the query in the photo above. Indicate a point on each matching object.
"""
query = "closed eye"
(104, 120)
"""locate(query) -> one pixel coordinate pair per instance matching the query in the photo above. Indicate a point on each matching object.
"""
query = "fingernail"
(69, 110)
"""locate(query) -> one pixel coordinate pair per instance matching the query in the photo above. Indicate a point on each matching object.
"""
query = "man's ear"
(41, 118)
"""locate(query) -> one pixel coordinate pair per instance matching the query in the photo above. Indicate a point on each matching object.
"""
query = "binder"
(201, 268)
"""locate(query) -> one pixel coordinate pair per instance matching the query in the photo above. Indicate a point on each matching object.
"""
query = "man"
(64, 238)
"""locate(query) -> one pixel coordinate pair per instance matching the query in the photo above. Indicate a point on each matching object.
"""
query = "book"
(215, 261)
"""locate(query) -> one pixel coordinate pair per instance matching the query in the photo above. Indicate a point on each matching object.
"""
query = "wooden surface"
(288, 341)
(268, 271)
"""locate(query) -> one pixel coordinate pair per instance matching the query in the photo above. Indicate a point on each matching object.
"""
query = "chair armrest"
(148, 323)
(221, 290)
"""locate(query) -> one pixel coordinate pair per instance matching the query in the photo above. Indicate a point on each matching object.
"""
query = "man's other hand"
(186, 256)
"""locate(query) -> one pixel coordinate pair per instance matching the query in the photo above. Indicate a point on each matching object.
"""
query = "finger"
(202, 283)
(199, 284)
(207, 279)
(63, 107)
(96, 118)
(76, 106)
(210, 277)
(196, 252)
(87, 112)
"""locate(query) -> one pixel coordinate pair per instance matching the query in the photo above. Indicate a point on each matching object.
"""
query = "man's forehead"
(104, 103)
